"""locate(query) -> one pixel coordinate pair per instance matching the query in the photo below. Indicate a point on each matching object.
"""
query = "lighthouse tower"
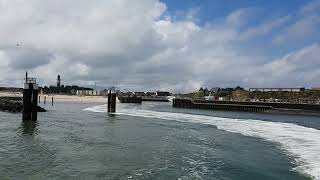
(58, 81)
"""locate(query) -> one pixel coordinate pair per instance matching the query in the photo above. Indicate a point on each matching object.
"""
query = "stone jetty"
(14, 105)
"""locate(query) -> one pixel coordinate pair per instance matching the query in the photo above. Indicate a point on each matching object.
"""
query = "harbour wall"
(310, 107)
(124, 99)
(210, 105)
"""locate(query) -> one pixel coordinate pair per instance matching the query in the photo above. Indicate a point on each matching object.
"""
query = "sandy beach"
(76, 99)
(63, 98)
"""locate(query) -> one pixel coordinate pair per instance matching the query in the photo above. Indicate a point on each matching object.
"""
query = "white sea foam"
(301, 143)
(100, 108)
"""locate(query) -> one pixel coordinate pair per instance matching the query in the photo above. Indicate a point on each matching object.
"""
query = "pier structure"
(128, 99)
(275, 105)
(209, 105)
(245, 106)
(30, 99)
(112, 100)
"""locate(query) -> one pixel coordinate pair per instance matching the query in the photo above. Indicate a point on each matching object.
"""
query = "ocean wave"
(301, 143)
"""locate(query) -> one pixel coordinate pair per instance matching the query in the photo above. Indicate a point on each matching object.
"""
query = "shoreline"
(62, 98)
(100, 100)
(248, 107)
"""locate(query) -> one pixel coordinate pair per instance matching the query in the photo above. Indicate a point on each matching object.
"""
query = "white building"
(277, 89)
(87, 93)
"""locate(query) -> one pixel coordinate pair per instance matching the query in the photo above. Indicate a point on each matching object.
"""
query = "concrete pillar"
(111, 101)
(27, 95)
(34, 112)
(30, 101)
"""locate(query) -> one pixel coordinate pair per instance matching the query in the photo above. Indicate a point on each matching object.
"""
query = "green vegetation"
(239, 94)
(220, 92)
(305, 96)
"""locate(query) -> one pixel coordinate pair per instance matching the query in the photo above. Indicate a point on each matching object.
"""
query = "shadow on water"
(29, 128)
(110, 117)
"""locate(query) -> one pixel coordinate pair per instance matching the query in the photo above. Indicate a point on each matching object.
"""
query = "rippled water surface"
(155, 141)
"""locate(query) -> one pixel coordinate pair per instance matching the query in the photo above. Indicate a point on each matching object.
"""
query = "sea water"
(156, 141)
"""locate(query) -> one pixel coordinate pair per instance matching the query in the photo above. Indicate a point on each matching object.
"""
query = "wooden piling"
(34, 112)
(30, 99)
(111, 101)
(27, 94)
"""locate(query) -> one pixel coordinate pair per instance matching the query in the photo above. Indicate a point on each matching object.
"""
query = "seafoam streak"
(301, 143)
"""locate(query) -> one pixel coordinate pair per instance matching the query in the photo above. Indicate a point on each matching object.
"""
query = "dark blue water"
(155, 141)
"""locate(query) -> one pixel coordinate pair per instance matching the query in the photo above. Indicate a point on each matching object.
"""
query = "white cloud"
(298, 68)
(301, 29)
(265, 28)
(306, 26)
(131, 45)
(240, 17)
(311, 7)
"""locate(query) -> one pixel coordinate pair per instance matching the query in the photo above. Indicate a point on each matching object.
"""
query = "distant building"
(87, 93)
(277, 89)
(215, 89)
(211, 98)
(163, 93)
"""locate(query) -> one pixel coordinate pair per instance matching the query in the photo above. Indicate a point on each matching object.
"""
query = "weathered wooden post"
(30, 99)
(35, 92)
(52, 101)
(111, 101)
(44, 99)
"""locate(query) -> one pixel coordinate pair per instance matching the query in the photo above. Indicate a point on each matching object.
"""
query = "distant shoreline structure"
(253, 107)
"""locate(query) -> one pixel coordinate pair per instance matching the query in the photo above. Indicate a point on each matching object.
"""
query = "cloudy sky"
(175, 45)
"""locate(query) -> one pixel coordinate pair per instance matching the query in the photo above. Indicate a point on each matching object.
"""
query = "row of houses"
(104, 93)
(88, 93)
(271, 89)
(157, 93)
(277, 89)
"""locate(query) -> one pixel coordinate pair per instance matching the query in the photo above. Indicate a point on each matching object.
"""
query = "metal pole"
(26, 76)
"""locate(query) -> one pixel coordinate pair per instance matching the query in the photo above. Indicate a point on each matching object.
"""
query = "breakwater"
(311, 107)
(14, 105)
(209, 105)
(154, 98)
(283, 108)
(125, 99)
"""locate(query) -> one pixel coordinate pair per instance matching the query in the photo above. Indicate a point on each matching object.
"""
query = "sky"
(173, 45)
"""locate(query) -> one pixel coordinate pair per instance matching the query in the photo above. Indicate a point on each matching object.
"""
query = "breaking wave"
(301, 143)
